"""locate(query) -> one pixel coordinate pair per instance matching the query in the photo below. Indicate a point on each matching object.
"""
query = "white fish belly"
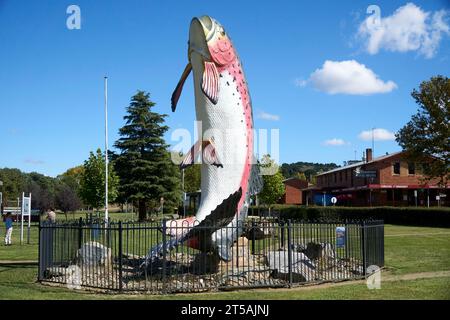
(224, 123)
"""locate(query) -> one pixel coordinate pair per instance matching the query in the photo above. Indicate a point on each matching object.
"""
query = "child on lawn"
(9, 228)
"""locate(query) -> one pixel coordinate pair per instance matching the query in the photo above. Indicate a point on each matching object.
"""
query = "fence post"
(290, 252)
(39, 252)
(164, 231)
(80, 232)
(281, 223)
(253, 235)
(120, 256)
(363, 246)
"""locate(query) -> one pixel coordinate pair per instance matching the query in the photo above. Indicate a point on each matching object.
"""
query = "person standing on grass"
(9, 228)
(51, 215)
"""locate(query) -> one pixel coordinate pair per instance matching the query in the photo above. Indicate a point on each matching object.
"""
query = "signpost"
(333, 200)
(25, 212)
(365, 173)
(340, 237)
(415, 197)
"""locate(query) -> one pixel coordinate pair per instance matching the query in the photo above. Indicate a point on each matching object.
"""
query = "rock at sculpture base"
(315, 250)
(94, 253)
(302, 268)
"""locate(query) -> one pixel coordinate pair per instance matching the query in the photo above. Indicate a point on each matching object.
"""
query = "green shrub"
(413, 216)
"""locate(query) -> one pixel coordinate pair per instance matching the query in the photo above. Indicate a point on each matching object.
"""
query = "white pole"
(106, 150)
(21, 220)
(29, 220)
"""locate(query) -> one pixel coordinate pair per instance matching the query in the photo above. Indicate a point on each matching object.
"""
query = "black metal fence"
(270, 253)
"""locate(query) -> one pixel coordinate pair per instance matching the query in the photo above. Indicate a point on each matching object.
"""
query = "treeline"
(47, 192)
(305, 170)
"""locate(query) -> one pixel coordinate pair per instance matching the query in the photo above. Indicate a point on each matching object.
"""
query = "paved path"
(18, 262)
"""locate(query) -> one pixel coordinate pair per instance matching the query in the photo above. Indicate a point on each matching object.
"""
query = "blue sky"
(51, 78)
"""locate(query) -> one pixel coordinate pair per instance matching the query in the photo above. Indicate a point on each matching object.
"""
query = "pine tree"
(144, 166)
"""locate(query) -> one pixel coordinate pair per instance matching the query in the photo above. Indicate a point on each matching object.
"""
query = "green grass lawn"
(407, 250)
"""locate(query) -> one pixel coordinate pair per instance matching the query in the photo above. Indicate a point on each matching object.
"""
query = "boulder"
(94, 253)
(315, 251)
(302, 268)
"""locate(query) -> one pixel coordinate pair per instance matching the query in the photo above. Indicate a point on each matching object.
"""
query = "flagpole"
(106, 150)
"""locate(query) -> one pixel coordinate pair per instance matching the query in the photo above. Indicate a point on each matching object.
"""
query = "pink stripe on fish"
(224, 55)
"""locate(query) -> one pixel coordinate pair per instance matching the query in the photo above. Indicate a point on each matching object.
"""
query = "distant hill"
(308, 168)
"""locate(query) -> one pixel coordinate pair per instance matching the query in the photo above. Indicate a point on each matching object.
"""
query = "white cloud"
(378, 135)
(348, 77)
(409, 28)
(335, 142)
(267, 116)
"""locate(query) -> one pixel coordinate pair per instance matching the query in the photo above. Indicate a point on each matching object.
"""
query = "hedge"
(412, 216)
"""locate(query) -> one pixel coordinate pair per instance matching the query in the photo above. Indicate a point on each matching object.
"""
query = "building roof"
(355, 165)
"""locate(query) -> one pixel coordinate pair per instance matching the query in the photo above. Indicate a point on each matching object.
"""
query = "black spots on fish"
(220, 75)
(228, 83)
(233, 93)
(234, 79)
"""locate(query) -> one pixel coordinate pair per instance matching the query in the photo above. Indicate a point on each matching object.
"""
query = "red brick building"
(293, 191)
(387, 180)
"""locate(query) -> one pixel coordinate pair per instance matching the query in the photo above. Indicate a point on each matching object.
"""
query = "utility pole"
(184, 193)
(373, 143)
(106, 151)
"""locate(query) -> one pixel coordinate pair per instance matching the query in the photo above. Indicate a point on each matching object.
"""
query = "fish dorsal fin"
(177, 92)
(210, 82)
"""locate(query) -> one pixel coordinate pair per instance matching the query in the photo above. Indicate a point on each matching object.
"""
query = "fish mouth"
(202, 31)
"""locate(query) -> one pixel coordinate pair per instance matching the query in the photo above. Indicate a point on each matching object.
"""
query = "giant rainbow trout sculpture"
(229, 173)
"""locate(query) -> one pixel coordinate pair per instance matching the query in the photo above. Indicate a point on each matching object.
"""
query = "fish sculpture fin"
(210, 155)
(256, 182)
(190, 157)
(220, 217)
(177, 92)
(210, 82)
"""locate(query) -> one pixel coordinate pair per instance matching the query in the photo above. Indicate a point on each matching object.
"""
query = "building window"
(411, 168)
(335, 177)
(340, 175)
(396, 168)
